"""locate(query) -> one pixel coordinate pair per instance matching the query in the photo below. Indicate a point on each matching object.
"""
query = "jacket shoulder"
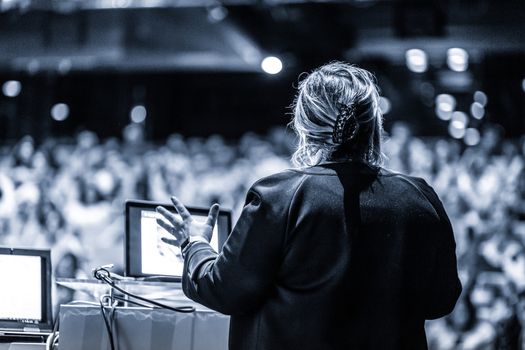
(424, 189)
(417, 183)
(280, 185)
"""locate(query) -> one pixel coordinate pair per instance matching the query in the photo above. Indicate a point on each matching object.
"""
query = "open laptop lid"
(25, 295)
(146, 255)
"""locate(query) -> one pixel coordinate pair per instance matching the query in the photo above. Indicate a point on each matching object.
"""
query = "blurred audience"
(65, 194)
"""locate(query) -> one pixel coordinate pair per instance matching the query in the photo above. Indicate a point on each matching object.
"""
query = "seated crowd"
(68, 195)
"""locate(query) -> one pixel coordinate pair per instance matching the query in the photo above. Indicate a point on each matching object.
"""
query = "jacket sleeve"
(444, 287)
(237, 280)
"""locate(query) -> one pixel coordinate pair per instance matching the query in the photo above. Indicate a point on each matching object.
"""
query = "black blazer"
(336, 256)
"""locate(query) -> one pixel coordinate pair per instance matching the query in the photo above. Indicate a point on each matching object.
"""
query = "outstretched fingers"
(181, 209)
(172, 218)
(213, 215)
(165, 225)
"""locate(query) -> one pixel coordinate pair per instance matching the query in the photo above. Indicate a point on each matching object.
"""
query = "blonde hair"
(315, 111)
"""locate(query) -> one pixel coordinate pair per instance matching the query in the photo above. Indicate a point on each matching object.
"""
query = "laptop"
(146, 255)
(25, 295)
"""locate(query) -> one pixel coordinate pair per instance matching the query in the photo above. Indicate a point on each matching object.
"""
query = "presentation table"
(82, 325)
(82, 328)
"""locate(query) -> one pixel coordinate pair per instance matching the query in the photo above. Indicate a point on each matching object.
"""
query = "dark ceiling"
(199, 61)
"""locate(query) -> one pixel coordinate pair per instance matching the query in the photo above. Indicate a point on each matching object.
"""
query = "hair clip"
(346, 125)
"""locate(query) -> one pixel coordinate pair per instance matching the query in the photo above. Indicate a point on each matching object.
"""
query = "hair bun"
(346, 125)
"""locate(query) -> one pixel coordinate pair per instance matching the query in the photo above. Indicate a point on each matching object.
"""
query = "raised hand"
(186, 226)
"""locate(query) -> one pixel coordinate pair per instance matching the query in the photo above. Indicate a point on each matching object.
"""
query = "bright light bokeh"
(64, 66)
(60, 112)
(477, 110)
(472, 137)
(416, 60)
(457, 59)
(11, 88)
(460, 118)
(481, 98)
(272, 65)
(217, 13)
(138, 114)
(443, 115)
(445, 102)
(456, 129)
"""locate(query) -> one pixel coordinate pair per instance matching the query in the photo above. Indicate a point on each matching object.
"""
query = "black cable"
(182, 309)
(51, 339)
(55, 324)
(55, 328)
(131, 302)
(104, 275)
(108, 326)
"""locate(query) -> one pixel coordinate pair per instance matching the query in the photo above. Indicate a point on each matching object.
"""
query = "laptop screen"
(25, 295)
(146, 254)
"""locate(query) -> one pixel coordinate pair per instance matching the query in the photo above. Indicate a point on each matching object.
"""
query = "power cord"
(53, 337)
(102, 274)
(106, 321)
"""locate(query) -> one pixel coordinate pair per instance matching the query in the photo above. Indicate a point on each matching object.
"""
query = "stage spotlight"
(481, 98)
(60, 112)
(272, 65)
(459, 119)
(416, 60)
(217, 13)
(138, 114)
(11, 88)
(64, 66)
(457, 59)
(133, 133)
(456, 129)
(445, 102)
(8, 4)
(33, 66)
(523, 84)
(471, 137)
(384, 105)
(477, 110)
(443, 115)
